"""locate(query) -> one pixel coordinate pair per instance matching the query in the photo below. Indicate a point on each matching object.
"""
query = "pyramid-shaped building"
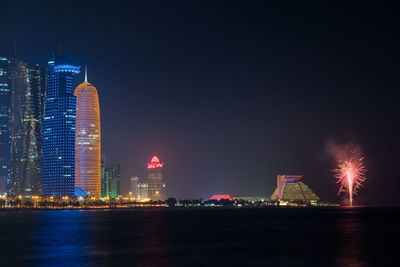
(290, 188)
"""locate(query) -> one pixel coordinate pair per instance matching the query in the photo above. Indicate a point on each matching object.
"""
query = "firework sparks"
(350, 172)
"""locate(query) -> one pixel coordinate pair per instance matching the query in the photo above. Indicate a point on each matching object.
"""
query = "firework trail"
(350, 171)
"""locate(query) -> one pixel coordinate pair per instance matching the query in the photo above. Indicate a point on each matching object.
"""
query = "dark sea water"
(201, 237)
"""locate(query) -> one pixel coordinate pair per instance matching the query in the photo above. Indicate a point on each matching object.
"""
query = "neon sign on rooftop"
(154, 163)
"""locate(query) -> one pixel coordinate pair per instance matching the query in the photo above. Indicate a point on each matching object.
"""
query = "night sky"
(231, 93)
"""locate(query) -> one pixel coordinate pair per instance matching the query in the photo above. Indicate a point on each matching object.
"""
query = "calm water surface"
(201, 237)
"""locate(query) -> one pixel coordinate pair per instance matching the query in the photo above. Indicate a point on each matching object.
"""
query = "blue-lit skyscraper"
(58, 168)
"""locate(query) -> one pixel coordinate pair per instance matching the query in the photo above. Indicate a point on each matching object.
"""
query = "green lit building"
(110, 178)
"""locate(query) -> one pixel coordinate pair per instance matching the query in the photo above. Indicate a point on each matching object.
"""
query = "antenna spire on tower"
(86, 73)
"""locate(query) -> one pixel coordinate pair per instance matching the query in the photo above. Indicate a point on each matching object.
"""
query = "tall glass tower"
(88, 143)
(27, 109)
(58, 174)
(22, 89)
(5, 119)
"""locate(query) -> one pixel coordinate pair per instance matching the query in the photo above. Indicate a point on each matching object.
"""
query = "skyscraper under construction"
(87, 140)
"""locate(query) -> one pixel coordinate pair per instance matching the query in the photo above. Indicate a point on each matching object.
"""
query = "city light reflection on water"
(353, 243)
(61, 237)
(199, 237)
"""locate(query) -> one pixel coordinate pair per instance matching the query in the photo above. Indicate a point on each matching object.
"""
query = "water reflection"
(231, 237)
(61, 237)
(352, 250)
(155, 248)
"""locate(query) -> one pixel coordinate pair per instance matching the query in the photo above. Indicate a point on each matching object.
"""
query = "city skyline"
(230, 95)
(199, 133)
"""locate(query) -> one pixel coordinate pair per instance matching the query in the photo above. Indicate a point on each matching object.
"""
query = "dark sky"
(230, 93)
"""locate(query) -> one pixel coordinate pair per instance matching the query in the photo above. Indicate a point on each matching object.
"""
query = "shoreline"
(198, 208)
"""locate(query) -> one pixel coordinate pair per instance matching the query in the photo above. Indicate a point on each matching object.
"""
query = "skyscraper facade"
(113, 176)
(155, 179)
(58, 171)
(104, 163)
(28, 97)
(110, 178)
(143, 191)
(3, 185)
(87, 140)
(133, 187)
(26, 83)
(5, 121)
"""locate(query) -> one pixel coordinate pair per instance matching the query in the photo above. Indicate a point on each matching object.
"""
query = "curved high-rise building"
(88, 143)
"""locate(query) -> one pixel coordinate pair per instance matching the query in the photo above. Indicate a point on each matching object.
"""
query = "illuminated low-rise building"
(250, 198)
(290, 188)
(220, 197)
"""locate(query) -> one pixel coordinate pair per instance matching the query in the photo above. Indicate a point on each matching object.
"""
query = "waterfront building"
(219, 197)
(143, 191)
(58, 171)
(22, 96)
(113, 175)
(290, 188)
(250, 198)
(110, 178)
(133, 187)
(5, 119)
(105, 159)
(87, 140)
(155, 179)
(3, 185)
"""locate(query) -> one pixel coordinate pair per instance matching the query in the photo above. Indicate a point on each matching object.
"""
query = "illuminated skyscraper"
(133, 187)
(104, 163)
(110, 178)
(3, 185)
(5, 120)
(114, 178)
(22, 92)
(87, 140)
(58, 172)
(155, 179)
(143, 190)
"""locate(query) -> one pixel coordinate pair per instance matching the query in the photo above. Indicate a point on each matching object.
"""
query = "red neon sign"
(154, 163)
